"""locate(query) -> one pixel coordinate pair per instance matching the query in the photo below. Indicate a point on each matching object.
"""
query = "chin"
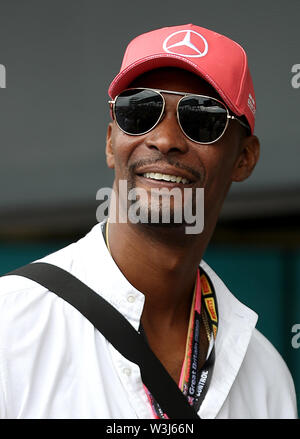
(156, 218)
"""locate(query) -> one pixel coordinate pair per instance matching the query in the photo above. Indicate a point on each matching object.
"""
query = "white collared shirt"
(55, 364)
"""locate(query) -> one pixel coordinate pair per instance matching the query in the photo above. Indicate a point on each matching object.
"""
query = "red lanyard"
(194, 380)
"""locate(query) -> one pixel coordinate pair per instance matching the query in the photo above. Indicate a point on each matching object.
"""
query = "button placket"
(130, 298)
(127, 371)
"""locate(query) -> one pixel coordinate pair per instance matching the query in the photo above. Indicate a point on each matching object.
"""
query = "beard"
(163, 208)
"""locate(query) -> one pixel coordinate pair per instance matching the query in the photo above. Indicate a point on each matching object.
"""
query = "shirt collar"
(100, 272)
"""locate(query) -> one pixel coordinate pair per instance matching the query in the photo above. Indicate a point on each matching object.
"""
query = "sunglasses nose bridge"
(167, 135)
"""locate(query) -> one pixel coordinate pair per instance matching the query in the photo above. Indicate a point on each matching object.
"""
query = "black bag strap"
(117, 330)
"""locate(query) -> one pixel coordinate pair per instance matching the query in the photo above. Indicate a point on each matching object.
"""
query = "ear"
(110, 158)
(247, 159)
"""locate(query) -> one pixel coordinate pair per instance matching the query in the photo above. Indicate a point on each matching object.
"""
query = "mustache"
(167, 160)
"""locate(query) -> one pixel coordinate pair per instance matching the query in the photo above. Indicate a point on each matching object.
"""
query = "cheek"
(122, 147)
(220, 159)
(219, 168)
(217, 164)
(129, 150)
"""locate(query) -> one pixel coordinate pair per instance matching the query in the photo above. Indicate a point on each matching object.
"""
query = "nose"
(167, 136)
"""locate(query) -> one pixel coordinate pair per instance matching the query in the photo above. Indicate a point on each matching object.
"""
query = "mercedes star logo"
(186, 43)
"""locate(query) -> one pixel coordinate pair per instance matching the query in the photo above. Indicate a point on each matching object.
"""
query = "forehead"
(176, 79)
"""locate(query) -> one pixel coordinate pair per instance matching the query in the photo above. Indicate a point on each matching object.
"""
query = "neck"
(160, 263)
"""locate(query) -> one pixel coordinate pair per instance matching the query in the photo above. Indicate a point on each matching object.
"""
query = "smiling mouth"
(165, 177)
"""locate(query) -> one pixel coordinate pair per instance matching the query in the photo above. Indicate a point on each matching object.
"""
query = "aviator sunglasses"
(202, 119)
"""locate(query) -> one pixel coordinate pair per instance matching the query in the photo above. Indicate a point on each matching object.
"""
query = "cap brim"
(126, 76)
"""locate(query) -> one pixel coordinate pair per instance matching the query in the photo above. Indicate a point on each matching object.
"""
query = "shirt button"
(130, 299)
(127, 371)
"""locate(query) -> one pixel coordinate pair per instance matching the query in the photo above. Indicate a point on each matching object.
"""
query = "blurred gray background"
(60, 57)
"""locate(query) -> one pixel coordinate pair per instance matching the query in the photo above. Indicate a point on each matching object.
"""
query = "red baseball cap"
(217, 59)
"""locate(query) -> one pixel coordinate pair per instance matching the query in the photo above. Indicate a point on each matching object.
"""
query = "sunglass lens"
(202, 119)
(138, 111)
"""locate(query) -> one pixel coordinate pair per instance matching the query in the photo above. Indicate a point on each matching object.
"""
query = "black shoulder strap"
(117, 330)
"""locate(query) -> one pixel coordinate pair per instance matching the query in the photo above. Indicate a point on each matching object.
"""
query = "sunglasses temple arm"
(240, 122)
(111, 106)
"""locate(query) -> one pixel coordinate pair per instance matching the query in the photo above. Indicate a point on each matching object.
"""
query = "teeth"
(166, 177)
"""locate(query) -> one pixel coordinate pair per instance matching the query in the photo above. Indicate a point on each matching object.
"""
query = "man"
(183, 109)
